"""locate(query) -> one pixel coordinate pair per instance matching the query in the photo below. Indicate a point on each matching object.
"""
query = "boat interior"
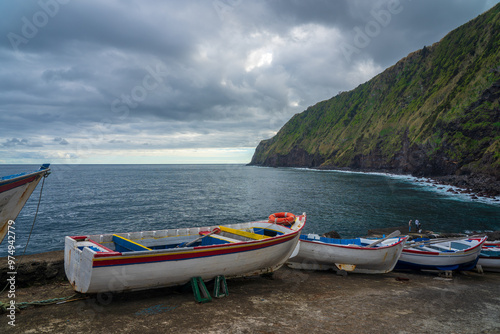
(315, 237)
(223, 235)
(445, 246)
(490, 252)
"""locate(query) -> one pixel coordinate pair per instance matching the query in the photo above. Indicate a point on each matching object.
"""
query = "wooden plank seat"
(227, 235)
(441, 248)
(126, 245)
(221, 237)
(241, 233)
(167, 242)
(427, 248)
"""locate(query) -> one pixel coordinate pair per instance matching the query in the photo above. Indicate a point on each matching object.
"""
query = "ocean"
(93, 199)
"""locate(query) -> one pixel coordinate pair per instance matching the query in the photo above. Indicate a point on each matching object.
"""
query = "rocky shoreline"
(380, 232)
(474, 185)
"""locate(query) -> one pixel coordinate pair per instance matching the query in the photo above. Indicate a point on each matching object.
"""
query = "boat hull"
(315, 255)
(432, 259)
(93, 272)
(489, 258)
(15, 191)
(489, 264)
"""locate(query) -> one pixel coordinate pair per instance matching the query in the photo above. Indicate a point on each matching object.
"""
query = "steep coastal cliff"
(434, 113)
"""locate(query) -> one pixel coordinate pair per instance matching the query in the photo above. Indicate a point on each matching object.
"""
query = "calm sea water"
(92, 199)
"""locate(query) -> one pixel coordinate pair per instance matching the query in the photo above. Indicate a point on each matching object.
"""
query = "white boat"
(359, 255)
(435, 254)
(14, 192)
(489, 257)
(154, 259)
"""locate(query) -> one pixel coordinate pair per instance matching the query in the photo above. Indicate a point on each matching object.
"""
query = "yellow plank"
(135, 243)
(220, 237)
(243, 233)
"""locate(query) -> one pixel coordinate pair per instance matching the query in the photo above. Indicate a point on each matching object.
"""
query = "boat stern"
(79, 254)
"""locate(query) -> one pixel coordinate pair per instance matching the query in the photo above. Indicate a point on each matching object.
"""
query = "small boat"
(14, 192)
(489, 258)
(154, 259)
(441, 254)
(493, 243)
(359, 255)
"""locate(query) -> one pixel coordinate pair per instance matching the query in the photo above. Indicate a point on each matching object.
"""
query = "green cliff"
(435, 112)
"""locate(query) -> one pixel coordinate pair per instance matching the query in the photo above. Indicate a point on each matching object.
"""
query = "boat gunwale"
(403, 239)
(9, 184)
(456, 252)
(184, 250)
(21, 176)
(114, 255)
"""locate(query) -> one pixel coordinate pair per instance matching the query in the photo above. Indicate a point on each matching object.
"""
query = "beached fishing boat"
(491, 243)
(441, 254)
(359, 255)
(489, 257)
(14, 192)
(153, 259)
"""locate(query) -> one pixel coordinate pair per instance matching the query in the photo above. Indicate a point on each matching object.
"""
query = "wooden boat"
(153, 259)
(436, 254)
(14, 192)
(494, 243)
(356, 255)
(489, 258)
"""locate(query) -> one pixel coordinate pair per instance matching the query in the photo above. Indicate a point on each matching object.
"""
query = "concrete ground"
(290, 301)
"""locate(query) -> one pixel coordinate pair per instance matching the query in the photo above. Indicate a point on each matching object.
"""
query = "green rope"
(23, 305)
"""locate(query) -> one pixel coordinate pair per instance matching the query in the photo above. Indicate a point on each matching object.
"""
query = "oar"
(392, 235)
(215, 230)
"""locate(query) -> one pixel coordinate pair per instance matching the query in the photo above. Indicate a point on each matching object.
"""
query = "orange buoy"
(283, 218)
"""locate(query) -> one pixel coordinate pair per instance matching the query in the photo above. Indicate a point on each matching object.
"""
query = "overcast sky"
(190, 81)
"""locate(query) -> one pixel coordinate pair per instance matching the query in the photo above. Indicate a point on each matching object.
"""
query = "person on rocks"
(418, 226)
(409, 225)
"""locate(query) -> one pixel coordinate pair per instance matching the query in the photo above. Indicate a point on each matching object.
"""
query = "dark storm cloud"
(118, 75)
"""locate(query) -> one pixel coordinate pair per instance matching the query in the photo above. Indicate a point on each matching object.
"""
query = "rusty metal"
(346, 267)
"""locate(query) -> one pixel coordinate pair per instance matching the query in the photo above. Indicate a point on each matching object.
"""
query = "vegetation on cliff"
(435, 112)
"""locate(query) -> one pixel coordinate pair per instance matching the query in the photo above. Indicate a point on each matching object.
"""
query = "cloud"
(84, 78)
(13, 142)
(61, 141)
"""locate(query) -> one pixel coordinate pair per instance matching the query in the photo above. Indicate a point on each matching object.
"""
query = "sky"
(166, 81)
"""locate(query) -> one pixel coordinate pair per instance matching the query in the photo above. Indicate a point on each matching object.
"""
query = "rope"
(34, 220)
(23, 305)
(31, 231)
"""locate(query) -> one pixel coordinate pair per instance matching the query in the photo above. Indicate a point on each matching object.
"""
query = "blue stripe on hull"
(461, 267)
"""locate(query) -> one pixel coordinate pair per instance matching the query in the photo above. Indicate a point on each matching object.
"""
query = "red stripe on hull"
(15, 184)
(198, 252)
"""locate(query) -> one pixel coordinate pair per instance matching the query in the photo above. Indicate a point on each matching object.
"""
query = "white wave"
(427, 184)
